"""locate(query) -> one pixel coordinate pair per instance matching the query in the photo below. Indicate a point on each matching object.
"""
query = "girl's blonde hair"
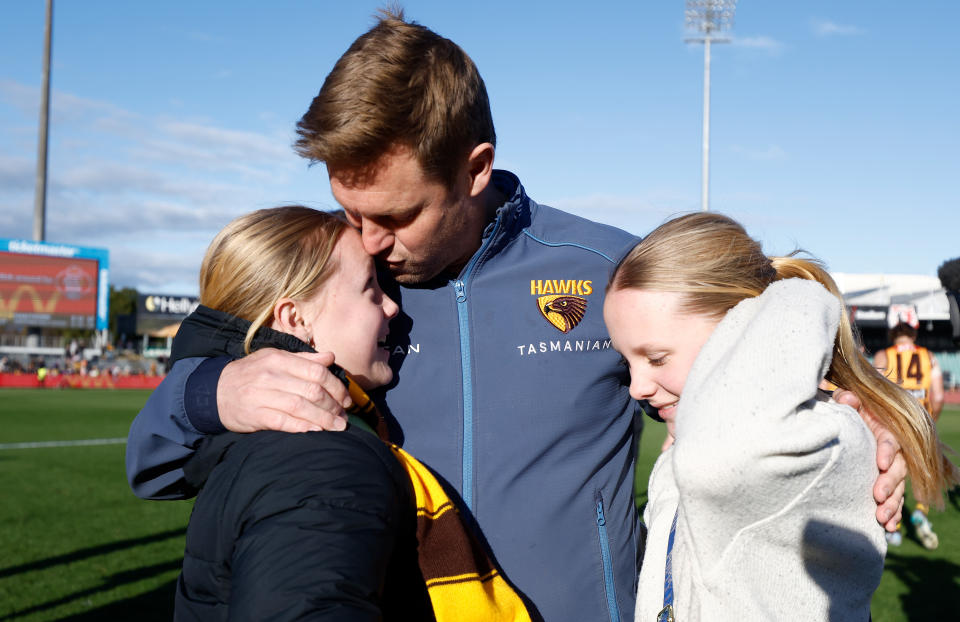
(266, 255)
(710, 259)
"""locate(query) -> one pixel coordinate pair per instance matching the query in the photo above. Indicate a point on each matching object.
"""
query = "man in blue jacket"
(505, 383)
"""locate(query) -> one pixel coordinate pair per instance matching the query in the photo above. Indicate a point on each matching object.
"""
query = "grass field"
(74, 541)
(76, 544)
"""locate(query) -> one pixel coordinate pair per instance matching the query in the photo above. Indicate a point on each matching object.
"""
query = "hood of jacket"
(208, 332)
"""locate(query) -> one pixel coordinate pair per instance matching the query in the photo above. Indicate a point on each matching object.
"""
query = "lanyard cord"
(666, 614)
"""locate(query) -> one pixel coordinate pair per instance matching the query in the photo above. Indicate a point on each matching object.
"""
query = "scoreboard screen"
(52, 286)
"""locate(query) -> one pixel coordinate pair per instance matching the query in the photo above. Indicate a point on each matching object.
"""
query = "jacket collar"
(514, 215)
(208, 332)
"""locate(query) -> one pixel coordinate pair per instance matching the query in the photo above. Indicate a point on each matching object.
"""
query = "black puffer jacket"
(315, 526)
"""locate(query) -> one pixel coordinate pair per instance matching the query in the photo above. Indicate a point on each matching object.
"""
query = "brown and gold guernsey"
(910, 366)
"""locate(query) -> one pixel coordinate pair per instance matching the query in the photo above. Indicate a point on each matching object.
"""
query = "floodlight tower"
(709, 18)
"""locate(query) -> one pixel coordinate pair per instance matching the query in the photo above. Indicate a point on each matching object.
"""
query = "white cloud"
(763, 42)
(16, 216)
(110, 176)
(240, 143)
(157, 270)
(213, 149)
(64, 107)
(826, 28)
(182, 142)
(67, 107)
(16, 172)
(76, 216)
(107, 181)
(128, 182)
(22, 96)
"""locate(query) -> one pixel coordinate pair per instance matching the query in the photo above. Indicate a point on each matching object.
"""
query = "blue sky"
(835, 125)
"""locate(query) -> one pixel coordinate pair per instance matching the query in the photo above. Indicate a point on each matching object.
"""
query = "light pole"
(709, 18)
(40, 191)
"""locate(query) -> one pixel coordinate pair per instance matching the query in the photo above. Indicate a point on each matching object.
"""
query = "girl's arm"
(742, 452)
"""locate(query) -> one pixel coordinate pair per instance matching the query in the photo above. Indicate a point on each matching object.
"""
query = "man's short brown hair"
(400, 83)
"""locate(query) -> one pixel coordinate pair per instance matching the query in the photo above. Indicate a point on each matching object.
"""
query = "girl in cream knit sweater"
(766, 491)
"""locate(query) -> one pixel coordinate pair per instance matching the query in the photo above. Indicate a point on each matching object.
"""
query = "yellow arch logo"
(7, 309)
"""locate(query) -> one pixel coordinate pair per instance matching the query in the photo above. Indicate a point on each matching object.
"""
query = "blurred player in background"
(915, 369)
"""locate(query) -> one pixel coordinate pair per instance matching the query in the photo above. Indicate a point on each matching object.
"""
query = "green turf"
(917, 584)
(76, 544)
(67, 414)
(74, 541)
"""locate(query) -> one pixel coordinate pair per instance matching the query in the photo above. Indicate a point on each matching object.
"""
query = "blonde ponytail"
(898, 411)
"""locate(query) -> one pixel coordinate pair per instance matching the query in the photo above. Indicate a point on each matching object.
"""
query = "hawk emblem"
(563, 311)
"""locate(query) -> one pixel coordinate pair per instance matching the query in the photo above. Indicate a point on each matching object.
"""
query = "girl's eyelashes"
(657, 362)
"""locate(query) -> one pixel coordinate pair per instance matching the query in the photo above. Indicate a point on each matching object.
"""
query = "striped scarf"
(463, 582)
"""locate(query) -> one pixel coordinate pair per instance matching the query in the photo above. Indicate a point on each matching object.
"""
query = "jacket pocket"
(606, 560)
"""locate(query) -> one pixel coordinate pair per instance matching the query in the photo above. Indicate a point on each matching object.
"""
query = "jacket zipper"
(605, 558)
(460, 288)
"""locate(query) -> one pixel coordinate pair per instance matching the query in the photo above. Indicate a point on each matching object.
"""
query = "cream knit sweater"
(774, 482)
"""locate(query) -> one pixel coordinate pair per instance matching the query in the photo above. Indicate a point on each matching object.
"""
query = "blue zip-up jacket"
(506, 385)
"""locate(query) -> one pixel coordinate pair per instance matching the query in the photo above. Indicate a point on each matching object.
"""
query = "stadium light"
(709, 18)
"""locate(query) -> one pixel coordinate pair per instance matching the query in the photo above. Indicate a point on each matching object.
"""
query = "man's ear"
(480, 168)
(288, 319)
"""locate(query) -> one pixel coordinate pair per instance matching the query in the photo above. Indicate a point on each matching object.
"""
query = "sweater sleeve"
(317, 526)
(748, 442)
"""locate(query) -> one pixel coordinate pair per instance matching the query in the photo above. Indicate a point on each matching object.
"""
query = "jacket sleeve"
(318, 523)
(749, 440)
(162, 439)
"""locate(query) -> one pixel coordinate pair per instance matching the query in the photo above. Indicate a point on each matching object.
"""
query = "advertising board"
(53, 285)
(162, 313)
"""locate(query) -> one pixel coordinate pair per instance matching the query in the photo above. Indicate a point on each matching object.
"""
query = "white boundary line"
(40, 444)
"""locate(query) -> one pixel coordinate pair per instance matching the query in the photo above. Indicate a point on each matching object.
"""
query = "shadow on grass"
(153, 606)
(114, 581)
(931, 585)
(953, 497)
(92, 552)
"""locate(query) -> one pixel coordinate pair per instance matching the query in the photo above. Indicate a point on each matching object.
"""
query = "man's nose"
(376, 239)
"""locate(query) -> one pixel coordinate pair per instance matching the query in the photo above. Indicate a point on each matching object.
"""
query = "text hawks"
(539, 287)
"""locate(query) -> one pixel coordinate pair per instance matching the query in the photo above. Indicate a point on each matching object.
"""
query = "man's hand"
(889, 489)
(276, 390)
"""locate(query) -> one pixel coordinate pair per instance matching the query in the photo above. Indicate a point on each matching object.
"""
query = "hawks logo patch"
(563, 311)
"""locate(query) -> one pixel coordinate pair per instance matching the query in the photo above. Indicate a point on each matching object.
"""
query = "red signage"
(36, 290)
(103, 381)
